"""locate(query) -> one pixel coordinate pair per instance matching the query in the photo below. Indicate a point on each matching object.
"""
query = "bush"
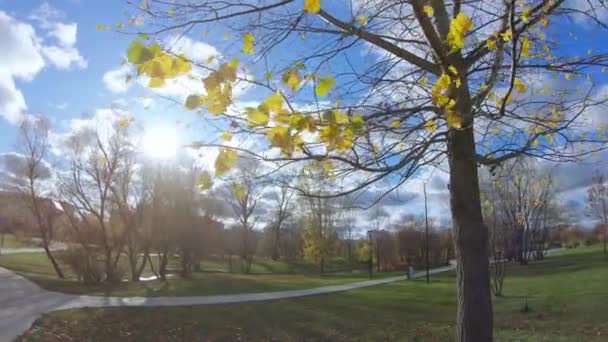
(88, 268)
(591, 240)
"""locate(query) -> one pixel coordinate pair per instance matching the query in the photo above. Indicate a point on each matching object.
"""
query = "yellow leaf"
(119, 26)
(274, 102)
(257, 116)
(267, 76)
(568, 77)
(430, 126)
(234, 63)
(248, 41)
(545, 21)
(328, 166)
(279, 137)
(428, 10)
(312, 6)
(491, 43)
(292, 79)
(124, 122)
(226, 136)
(458, 83)
(143, 5)
(99, 27)
(324, 85)
(525, 46)
(459, 27)
(192, 102)
(156, 82)
(226, 36)
(453, 70)
(424, 81)
(363, 20)
(520, 85)
(225, 160)
(507, 35)
(210, 59)
(453, 119)
(204, 181)
(396, 124)
(525, 14)
(546, 90)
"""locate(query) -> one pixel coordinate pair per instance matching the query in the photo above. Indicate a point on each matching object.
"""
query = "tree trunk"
(605, 238)
(162, 265)
(474, 317)
(350, 256)
(53, 261)
(277, 239)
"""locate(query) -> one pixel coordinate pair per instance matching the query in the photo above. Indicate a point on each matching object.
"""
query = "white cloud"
(25, 53)
(20, 59)
(114, 80)
(64, 58)
(100, 121)
(65, 34)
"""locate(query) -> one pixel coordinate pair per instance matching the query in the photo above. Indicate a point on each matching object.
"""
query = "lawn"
(36, 267)
(11, 241)
(566, 294)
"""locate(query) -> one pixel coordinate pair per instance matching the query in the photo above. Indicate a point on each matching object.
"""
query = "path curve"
(22, 301)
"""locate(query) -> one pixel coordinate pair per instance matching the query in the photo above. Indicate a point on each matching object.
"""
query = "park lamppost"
(426, 233)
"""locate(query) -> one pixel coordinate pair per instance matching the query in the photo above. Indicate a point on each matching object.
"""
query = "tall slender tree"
(33, 143)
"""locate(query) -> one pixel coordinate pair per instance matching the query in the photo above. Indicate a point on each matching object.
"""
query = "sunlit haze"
(160, 142)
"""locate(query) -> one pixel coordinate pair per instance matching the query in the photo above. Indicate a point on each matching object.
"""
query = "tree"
(319, 232)
(597, 203)
(33, 143)
(243, 195)
(523, 202)
(283, 212)
(499, 237)
(97, 157)
(441, 79)
(347, 222)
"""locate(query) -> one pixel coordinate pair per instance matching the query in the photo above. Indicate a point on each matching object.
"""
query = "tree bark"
(56, 267)
(474, 317)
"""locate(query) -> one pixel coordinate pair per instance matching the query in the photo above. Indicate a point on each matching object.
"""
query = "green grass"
(36, 267)
(567, 295)
(11, 241)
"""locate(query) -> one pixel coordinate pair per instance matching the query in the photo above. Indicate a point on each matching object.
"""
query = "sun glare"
(160, 142)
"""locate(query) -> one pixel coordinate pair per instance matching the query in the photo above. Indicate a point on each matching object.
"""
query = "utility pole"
(426, 222)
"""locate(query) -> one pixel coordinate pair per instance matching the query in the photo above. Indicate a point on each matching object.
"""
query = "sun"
(160, 142)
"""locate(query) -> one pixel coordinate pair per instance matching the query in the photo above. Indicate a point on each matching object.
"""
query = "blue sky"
(65, 92)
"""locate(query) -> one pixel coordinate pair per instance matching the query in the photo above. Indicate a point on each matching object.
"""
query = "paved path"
(55, 246)
(22, 302)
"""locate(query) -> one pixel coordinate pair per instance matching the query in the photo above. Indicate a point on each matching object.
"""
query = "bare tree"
(34, 145)
(597, 203)
(96, 159)
(243, 195)
(284, 209)
(348, 225)
(130, 195)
